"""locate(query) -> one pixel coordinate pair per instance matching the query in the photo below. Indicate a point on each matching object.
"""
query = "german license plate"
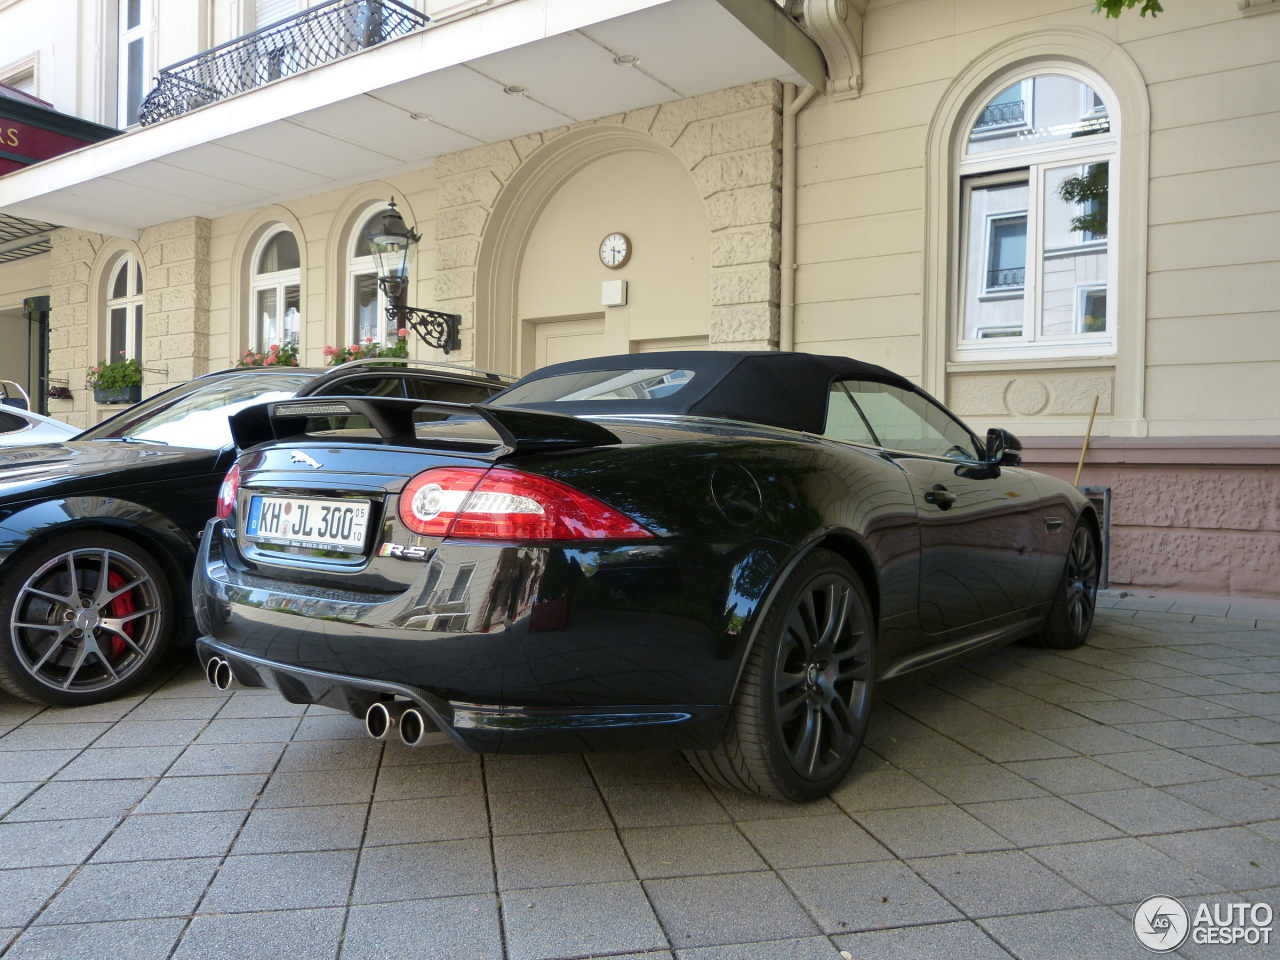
(308, 522)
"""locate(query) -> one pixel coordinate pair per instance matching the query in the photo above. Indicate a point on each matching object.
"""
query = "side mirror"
(1003, 448)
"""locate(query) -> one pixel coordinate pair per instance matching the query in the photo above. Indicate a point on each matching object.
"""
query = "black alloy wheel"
(1075, 600)
(802, 705)
(86, 618)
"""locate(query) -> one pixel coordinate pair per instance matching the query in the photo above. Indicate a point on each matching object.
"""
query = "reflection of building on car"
(98, 534)
(714, 551)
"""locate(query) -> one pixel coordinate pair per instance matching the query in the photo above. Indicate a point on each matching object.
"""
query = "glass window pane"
(134, 80)
(292, 314)
(133, 14)
(996, 261)
(1073, 257)
(119, 332)
(1093, 311)
(1007, 266)
(907, 422)
(843, 420)
(120, 287)
(268, 314)
(137, 331)
(137, 283)
(361, 247)
(1031, 113)
(280, 253)
(364, 309)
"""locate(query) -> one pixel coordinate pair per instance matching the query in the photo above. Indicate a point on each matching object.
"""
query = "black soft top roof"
(779, 389)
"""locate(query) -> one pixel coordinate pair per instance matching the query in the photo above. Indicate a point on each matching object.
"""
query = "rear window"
(598, 385)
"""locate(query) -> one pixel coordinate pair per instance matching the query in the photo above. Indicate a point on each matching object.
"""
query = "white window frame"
(989, 232)
(277, 280)
(1082, 297)
(132, 304)
(20, 71)
(127, 35)
(361, 266)
(1017, 162)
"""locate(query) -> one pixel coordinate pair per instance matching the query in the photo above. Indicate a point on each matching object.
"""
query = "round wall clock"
(615, 250)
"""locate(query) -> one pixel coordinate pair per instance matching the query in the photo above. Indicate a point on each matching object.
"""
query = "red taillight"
(227, 492)
(430, 501)
(472, 504)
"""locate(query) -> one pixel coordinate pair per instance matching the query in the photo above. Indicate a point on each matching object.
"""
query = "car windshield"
(598, 385)
(195, 415)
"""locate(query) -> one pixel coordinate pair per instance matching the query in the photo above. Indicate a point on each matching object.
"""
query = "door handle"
(940, 497)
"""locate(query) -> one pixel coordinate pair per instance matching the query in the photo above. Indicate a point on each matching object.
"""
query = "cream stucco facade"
(869, 196)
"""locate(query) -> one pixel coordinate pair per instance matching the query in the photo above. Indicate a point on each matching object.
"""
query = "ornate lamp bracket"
(434, 327)
(837, 27)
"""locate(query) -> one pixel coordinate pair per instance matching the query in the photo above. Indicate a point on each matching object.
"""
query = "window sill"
(992, 365)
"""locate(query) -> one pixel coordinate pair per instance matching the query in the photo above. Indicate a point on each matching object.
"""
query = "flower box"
(117, 394)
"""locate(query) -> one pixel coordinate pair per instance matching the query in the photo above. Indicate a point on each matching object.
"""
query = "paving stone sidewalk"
(1019, 805)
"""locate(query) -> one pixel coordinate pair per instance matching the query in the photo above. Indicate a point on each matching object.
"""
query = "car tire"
(1075, 598)
(802, 704)
(72, 639)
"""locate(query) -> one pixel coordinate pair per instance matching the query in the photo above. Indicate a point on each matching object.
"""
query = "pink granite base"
(1190, 513)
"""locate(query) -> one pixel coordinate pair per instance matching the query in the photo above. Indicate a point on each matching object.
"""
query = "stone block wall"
(1200, 514)
(730, 141)
(175, 325)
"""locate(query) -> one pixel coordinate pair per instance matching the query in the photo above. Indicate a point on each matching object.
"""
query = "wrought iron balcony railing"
(1001, 114)
(318, 35)
(1006, 279)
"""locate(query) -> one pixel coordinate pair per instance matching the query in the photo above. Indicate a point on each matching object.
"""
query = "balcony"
(1002, 114)
(319, 35)
(1006, 279)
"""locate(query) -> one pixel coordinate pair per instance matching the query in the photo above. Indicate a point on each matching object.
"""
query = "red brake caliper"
(121, 606)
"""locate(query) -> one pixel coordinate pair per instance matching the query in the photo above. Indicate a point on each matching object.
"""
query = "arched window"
(367, 304)
(124, 310)
(1038, 175)
(275, 292)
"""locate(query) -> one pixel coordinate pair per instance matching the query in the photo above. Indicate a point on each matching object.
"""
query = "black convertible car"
(98, 533)
(719, 552)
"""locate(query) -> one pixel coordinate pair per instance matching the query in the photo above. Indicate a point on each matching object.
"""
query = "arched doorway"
(539, 295)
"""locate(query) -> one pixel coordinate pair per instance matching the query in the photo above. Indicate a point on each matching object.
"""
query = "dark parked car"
(720, 552)
(98, 534)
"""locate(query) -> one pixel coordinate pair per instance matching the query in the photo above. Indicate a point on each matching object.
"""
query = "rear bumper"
(506, 647)
(488, 728)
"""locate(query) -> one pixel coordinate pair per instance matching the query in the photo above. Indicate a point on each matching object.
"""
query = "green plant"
(1090, 191)
(369, 348)
(278, 355)
(1113, 8)
(117, 373)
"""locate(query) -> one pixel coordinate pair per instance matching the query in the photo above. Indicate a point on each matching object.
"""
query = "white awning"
(350, 121)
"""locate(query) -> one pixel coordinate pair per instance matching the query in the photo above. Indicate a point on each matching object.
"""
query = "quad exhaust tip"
(413, 727)
(218, 672)
(383, 719)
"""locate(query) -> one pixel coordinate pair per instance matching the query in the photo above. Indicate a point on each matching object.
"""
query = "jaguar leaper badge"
(297, 456)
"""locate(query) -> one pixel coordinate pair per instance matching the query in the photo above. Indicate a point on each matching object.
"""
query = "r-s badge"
(403, 552)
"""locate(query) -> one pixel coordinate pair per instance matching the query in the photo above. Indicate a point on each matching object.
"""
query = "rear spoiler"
(519, 431)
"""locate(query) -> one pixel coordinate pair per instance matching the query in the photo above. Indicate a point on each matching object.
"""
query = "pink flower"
(275, 348)
(368, 339)
(402, 332)
(330, 351)
(270, 360)
(354, 348)
(122, 353)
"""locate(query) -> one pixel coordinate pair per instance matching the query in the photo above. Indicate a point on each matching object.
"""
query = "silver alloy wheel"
(822, 676)
(86, 620)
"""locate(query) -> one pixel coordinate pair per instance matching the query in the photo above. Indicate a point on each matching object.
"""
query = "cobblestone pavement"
(1017, 805)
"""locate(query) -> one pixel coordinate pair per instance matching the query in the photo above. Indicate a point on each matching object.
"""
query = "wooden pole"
(1087, 433)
